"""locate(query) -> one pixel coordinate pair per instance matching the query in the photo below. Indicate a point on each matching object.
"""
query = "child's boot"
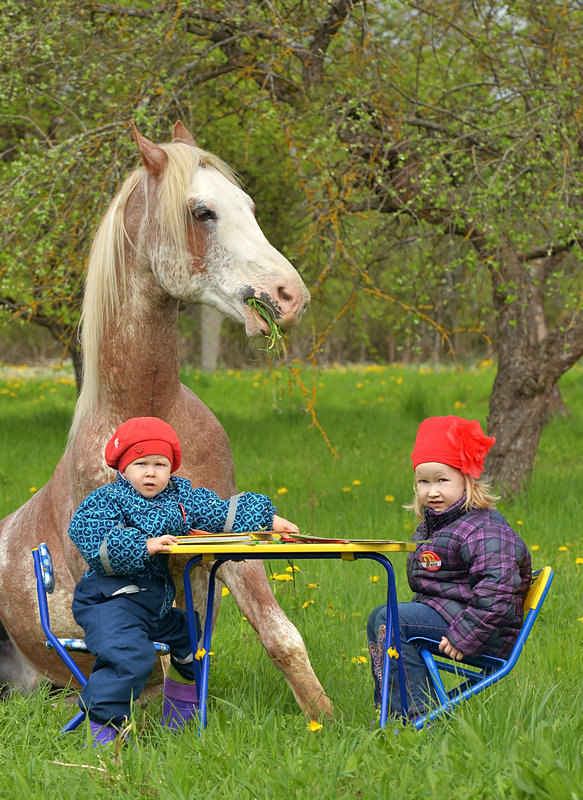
(180, 703)
(102, 734)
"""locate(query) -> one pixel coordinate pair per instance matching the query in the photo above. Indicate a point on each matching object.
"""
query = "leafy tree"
(417, 155)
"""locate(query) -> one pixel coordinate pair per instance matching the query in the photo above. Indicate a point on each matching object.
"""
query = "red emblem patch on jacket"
(430, 561)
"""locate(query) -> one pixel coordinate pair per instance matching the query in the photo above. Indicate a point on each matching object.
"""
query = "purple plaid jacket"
(475, 571)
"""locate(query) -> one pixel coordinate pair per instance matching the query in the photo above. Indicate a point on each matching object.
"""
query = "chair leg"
(434, 674)
(73, 723)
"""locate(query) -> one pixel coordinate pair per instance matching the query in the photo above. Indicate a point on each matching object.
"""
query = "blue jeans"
(415, 619)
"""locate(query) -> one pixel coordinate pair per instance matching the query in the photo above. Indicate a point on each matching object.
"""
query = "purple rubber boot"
(180, 704)
(102, 734)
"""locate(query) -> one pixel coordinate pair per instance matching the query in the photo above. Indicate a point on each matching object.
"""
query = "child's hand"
(449, 650)
(160, 544)
(280, 524)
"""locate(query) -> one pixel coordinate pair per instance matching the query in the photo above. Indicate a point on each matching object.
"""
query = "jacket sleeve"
(106, 544)
(244, 512)
(497, 560)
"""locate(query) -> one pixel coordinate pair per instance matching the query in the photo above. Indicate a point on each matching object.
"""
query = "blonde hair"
(478, 495)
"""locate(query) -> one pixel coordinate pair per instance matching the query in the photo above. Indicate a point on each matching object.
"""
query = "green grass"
(521, 739)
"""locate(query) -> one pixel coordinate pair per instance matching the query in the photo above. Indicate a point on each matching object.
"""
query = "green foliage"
(395, 150)
(519, 740)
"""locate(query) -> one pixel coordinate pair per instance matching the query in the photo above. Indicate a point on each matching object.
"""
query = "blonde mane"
(106, 280)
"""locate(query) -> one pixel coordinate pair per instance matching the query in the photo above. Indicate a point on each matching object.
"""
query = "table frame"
(219, 554)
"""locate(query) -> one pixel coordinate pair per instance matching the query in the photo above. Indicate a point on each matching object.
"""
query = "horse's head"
(202, 241)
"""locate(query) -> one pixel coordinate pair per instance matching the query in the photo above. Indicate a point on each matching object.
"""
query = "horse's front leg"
(248, 583)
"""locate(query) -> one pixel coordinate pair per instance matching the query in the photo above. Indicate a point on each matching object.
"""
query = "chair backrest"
(541, 581)
(46, 565)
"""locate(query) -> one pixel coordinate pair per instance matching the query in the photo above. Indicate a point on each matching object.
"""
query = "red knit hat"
(457, 442)
(143, 436)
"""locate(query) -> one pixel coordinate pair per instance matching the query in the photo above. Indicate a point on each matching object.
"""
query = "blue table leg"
(392, 632)
(202, 672)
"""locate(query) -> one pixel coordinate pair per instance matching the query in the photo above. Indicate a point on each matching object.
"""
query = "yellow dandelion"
(314, 726)
(562, 548)
(292, 568)
(346, 488)
(225, 591)
(356, 483)
(580, 619)
(459, 404)
(32, 489)
(282, 490)
(400, 380)
(359, 660)
(389, 498)
(313, 585)
(280, 576)
(374, 578)
(308, 603)
(579, 560)
(519, 522)
(535, 547)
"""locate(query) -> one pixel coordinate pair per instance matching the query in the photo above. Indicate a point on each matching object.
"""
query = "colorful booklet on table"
(254, 537)
(307, 539)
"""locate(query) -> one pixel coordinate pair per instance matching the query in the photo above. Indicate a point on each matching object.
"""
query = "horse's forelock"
(183, 161)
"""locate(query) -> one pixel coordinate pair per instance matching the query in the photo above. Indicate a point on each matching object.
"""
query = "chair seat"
(483, 662)
(79, 646)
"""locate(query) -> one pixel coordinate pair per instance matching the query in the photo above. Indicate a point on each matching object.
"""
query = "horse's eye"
(202, 214)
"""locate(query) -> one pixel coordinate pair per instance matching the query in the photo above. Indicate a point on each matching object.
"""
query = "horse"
(180, 228)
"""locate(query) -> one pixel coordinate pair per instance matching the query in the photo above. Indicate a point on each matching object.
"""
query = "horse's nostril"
(283, 295)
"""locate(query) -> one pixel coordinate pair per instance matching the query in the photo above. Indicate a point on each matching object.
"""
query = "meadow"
(346, 472)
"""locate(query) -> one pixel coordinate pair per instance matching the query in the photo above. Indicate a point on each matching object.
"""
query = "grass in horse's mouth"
(276, 340)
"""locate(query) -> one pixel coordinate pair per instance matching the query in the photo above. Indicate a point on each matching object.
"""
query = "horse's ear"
(154, 158)
(180, 133)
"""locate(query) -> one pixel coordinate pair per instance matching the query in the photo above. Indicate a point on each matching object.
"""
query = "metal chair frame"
(478, 672)
(45, 584)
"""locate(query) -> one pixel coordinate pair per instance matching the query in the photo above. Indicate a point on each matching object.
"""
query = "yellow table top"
(279, 549)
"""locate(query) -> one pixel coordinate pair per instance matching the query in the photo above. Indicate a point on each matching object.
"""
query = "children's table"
(345, 550)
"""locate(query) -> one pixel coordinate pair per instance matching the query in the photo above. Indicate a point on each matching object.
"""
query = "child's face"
(148, 475)
(439, 486)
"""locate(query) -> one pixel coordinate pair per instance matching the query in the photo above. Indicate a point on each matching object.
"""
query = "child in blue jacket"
(124, 601)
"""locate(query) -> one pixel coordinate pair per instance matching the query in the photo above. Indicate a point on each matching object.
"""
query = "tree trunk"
(211, 322)
(528, 371)
(77, 359)
(518, 410)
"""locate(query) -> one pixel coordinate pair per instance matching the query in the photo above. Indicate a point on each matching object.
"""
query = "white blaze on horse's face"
(230, 259)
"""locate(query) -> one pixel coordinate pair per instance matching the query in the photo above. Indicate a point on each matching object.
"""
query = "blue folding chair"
(478, 672)
(45, 583)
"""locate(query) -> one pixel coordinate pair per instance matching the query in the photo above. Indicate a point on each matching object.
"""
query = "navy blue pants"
(120, 630)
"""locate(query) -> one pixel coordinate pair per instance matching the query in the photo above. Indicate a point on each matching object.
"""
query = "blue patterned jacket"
(112, 524)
